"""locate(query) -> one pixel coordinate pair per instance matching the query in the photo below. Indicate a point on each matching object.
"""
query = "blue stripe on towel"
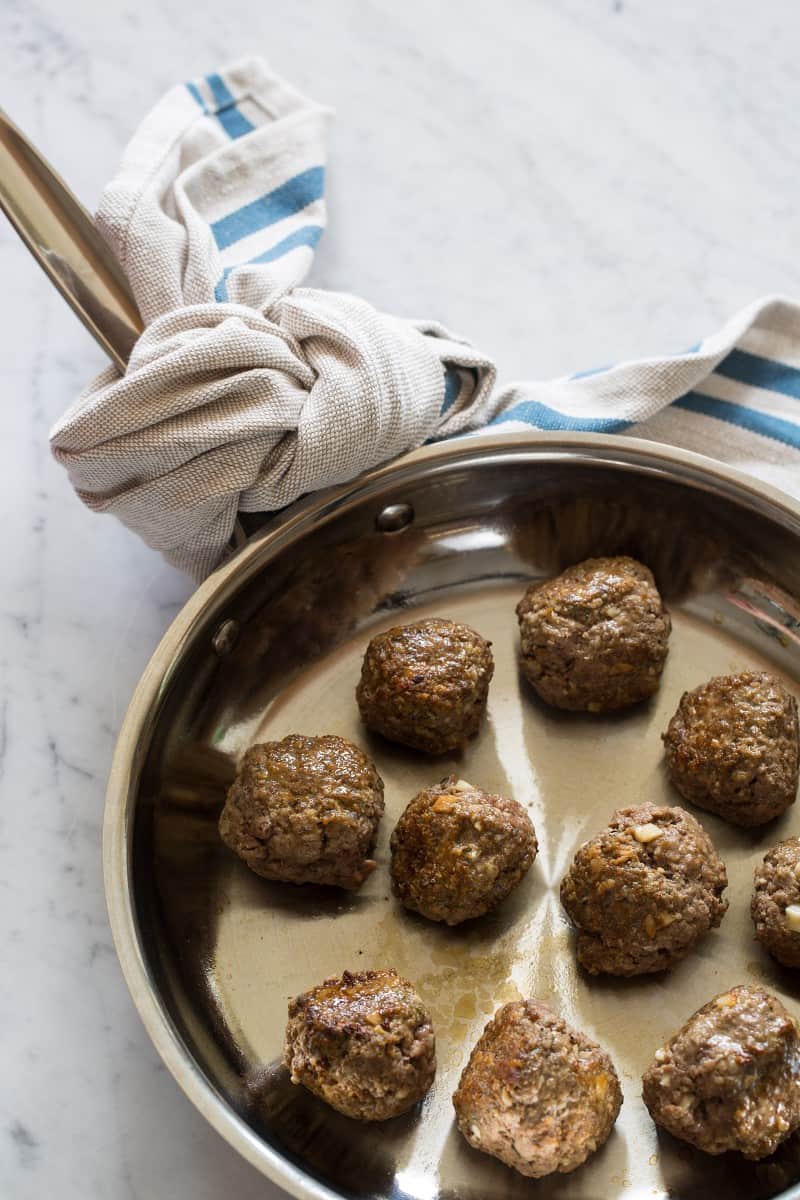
(234, 123)
(283, 201)
(308, 235)
(534, 413)
(592, 371)
(610, 366)
(760, 372)
(746, 418)
(194, 92)
(221, 290)
(452, 389)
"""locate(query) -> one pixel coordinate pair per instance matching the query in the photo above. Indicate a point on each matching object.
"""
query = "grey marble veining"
(566, 183)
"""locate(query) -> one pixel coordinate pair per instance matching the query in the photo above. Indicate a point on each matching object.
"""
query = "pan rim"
(639, 455)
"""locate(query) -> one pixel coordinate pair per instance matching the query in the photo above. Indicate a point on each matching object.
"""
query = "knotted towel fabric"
(247, 390)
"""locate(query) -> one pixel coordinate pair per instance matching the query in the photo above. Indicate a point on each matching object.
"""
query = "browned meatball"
(775, 907)
(535, 1093)
(732, 747)
(457, 851)
(730, 1078)
(305, 810)
(594, 638)
(363, 1043)
(644, 891)
(425, 685)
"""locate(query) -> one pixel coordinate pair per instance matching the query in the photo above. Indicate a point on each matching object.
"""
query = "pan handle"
(62, 238)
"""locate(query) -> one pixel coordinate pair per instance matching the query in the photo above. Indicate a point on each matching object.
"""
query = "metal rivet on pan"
(394, 517)
(226, 637)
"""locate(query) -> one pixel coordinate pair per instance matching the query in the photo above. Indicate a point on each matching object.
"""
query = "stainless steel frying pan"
(272, 643)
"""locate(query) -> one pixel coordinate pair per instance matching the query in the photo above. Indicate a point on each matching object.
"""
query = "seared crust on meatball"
(305, 810)
(775, 907)
(644, 891)
(730, 1078)
(536, 1094)
(425, 684)
(733, 747)
(363, 1043)
(594, 638)
(457, 851)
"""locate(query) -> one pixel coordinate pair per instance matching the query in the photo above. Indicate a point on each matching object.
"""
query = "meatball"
(535, 1093)
(775, 907)
(594, 638)
(644, 891)
(363, 1043)
(733, 747)
(425, 685)
(457, 851)
(305, 810)
(730, 1078)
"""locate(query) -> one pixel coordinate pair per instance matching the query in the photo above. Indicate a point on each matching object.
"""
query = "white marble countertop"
(566, 183)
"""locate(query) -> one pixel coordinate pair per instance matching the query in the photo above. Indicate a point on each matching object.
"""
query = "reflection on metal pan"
(272, 643)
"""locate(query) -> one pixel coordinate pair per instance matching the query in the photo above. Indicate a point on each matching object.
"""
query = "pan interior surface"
(225, 950)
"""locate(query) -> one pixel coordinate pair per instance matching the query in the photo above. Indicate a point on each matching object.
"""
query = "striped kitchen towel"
(735, 396)
(247, 390)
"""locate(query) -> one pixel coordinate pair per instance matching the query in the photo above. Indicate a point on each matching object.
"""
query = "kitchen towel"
(247, 390)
